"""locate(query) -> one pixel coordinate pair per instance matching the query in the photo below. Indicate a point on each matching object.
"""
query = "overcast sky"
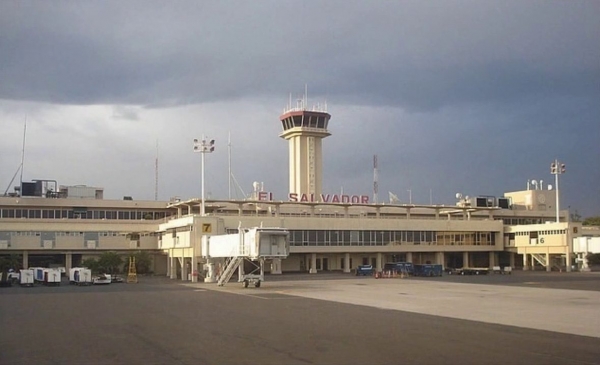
(475, 97)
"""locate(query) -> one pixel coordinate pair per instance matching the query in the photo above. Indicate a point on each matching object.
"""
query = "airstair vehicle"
(253, 245)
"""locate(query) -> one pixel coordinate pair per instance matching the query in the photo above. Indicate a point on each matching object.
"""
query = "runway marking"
(200, 290)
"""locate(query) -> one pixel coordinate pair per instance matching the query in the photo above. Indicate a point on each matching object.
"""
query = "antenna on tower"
(375, 179)
(305, 96)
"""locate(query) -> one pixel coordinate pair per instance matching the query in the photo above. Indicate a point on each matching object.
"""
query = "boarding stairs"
(540, 258)
(230, 268)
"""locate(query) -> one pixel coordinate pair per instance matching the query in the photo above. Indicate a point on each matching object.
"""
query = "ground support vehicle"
(428, 270)
(26, 277)
(80, 276)
(13, 276)
(102, 279)
(473, 271)
(46, 276)
(365, 270)
(395, 270)
(502, 270)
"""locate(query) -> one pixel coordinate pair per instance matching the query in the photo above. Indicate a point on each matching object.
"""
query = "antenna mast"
(229, 161)
(22, 158)
(156, 173)
(375, 179)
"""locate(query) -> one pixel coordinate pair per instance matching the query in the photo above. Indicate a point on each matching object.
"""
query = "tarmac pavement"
(303, 319)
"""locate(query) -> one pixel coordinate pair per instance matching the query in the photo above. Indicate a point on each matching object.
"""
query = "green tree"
(91, 264)
(143, 262)
(110, 262)
(593, 259)
(10, 262)
(592, 221)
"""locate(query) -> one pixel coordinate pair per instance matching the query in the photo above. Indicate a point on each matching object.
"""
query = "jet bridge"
(254, 245)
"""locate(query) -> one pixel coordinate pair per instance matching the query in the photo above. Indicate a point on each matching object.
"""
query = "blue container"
(428, 270)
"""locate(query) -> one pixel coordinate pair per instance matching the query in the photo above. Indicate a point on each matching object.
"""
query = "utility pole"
(557, 168)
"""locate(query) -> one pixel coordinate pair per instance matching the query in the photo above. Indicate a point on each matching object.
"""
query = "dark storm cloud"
(453, 96)
(415, 55)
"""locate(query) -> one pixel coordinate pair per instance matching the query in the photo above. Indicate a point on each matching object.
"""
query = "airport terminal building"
(63, 225)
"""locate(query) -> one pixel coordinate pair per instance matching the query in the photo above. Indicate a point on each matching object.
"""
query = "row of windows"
(79, 234)
(522, 221)
(382, 238)
(543, 233)
(80, 214)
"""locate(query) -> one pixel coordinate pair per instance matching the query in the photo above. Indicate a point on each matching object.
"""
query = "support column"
(173, 260)
(194, 267)
(439, 259)
(25, 260)
(169, 263)
(511, 256)
(548, 264)
(276, 267)
(492, 259)
(465, 259)
(346, 262)
(379, 264)
(313, 263)
(525, 262)
(68, 262)
(409, 257)
(184, 271)
(532, 262)
(568, 259)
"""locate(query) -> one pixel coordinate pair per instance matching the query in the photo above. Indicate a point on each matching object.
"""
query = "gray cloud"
(453, 95)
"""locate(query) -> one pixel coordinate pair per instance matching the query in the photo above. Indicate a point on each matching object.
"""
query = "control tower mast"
(304, 129)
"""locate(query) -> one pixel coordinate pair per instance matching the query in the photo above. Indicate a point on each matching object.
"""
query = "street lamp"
(557, 168)
(203, 146)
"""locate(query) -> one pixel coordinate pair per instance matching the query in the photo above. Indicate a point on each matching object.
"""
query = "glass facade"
(384, 238)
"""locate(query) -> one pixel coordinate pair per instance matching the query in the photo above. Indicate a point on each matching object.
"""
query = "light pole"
(203, 146)
(557, 168)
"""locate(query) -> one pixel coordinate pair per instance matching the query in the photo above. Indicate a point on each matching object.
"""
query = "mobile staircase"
(252, 245)
(232, 265)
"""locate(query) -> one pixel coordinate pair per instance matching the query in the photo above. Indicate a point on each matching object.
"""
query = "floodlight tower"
(304, 129)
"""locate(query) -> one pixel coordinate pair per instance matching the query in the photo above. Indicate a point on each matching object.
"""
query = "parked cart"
(365, 270)
(428, 270)
(26, 277)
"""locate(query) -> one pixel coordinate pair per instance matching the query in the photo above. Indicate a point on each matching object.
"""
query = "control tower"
(304, 129)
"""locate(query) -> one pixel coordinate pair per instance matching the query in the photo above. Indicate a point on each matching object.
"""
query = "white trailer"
(80, 276)
(26, 277)
(38, 274)
(249, 244)
(51, 276)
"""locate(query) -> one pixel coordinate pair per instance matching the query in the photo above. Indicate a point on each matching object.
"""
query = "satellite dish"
(458, 195)
(533, 182)
(549, 187)
(467, 197)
